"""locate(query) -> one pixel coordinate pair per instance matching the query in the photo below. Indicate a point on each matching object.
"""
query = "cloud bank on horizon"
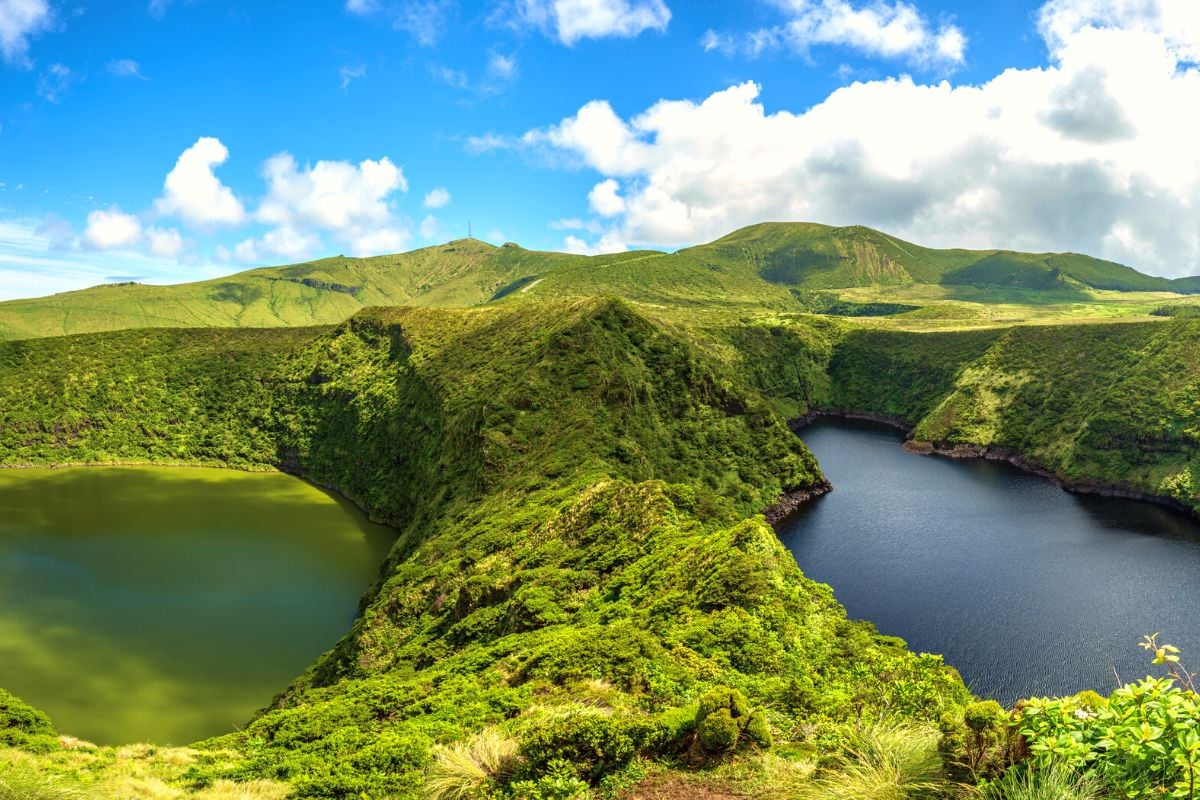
(1095, 152)
(1092, 149)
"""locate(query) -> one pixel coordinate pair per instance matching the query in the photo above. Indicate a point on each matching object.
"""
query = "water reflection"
(168, 605)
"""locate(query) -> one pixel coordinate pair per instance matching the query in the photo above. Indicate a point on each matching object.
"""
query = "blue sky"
(181, 139)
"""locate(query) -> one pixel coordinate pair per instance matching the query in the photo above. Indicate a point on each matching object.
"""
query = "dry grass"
(461, 771)
(885, 762)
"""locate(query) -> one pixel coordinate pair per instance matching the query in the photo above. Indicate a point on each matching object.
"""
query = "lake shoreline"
(964, 450)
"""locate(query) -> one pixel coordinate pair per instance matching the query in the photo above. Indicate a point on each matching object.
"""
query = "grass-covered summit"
(781, 266)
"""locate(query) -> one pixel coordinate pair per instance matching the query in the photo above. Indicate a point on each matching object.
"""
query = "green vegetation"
(575, 486)
(784, 267)
(577, 453)
(1100, 407)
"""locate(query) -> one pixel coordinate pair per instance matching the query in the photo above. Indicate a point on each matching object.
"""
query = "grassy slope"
(576, 487)
(777, 266)
(460, 273)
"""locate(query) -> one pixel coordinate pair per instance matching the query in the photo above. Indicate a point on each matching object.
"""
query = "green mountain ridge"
(770, 265)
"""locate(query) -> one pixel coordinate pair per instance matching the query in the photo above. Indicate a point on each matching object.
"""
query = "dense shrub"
(25, 727)
(724, 720)
(594, 744)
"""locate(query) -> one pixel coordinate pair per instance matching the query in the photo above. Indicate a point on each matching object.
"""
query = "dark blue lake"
(1025, 588)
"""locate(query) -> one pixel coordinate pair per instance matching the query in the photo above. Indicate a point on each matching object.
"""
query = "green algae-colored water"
(169, 604)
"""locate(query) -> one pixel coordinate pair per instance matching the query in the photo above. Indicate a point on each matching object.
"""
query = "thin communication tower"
(469, 236)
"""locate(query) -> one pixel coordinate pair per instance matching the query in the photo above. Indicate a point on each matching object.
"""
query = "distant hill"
(769, 265)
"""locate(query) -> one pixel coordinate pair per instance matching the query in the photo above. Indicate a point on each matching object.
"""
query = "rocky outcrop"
(791, 501)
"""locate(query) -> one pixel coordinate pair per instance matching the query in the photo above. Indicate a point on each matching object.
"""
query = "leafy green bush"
(724, 720)
(24, 727)
(593, 744)
(977, 742)
(1145, 741)
(558, 783)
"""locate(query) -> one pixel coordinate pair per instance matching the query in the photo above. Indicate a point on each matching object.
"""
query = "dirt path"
(675, 787)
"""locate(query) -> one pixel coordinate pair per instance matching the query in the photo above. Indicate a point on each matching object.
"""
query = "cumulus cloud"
(193, 192)
(610, 242)
(877, 28)
(20, 21)
(569, 21)
(438, 198)
(429, 227)
(1176, 23)
(111, 228)
(605, 200)
(1094, 152)
(347, 201)
(114, 229)
(164, 242)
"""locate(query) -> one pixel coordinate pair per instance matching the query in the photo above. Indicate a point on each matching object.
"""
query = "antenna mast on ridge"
(469, 236)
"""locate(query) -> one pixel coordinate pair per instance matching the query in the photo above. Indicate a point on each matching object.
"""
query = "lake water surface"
(168, 604)
(1025, 588)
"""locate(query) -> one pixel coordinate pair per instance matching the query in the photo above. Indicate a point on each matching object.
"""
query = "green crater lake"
(169, 604)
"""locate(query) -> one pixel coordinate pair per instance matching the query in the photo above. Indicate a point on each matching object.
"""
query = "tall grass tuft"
(885, 762)
(464, 770)
(18, 782)
(1055, 783)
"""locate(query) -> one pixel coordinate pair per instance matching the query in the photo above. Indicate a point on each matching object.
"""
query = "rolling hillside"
(774, 266)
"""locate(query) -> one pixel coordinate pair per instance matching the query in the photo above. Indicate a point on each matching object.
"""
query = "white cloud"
(348, 201)
(391, 239)
(576, 224)
(424, 20)
(496, 236)
(1175, 22)
(111, 228)
(193, 192)
(56, 81)
(605, 200)
(455, 78)
(878, 28)
(502, 67)
(572, 20)
(350, 72)
(125, 68)
(287, 242)
(429, 227)
(38, 257)
(20, 21)
(610, 242)
(438, 198)
(158, 8)
(1093, 153)
(164, 242)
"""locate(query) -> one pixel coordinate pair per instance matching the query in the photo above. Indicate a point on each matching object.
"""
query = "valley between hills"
(582, 457)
